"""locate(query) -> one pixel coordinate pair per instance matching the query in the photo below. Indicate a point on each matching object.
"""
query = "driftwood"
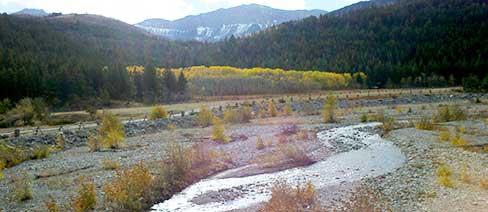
(50, 174)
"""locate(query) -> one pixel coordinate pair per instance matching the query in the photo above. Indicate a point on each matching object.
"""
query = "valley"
(297, 148)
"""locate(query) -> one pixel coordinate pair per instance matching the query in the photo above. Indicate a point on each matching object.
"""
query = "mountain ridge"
(223, 23)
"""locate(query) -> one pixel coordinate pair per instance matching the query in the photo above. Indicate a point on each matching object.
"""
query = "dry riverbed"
(399, 167)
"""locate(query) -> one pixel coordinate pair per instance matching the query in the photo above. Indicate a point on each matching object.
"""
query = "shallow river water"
(378, 157)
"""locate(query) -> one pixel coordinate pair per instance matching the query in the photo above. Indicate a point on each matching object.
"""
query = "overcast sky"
(134, 11)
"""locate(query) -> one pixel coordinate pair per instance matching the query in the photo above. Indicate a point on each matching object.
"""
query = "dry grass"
(22, 187)
(259, 143)
(295, 153)
(60, 142)
(86, 199)
(303, 135)
(94, 144)
(444, 174)
(2, 166)
(218, 131)
(287, 110)
(205, 117)
(364, 200)
(458, 141)
(158, 112)
(110, 165)
(51, 205)
(425, 124)
(464, 176)
(328, 113)
(285, 198)
(238, 115)
(111, 131)
(444, 135)
(451, 113)
(272, 109)
(484, 183)
(171, 126)
(130, 189)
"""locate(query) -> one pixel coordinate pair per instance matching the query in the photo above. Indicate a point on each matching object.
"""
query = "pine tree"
(182, 83)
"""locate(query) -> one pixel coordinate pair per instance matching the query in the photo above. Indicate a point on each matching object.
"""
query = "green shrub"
(158, 113)
(364, 118)
(205, 117)
(86, 198)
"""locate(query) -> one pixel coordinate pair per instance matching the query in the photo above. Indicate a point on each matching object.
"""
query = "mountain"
(31, 12)
(406, 43)
(361, 5)
(223, 23)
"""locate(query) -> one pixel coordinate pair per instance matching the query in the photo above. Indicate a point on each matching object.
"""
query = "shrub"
(11, 155)
(41, 152)
(464, 175)
(364, 118)
(51, 205)
(471, 83)
(111, 131)
(130, 189)
(158, 112)
(388, 124)
(110, 165)
(239, 115)
(86, 198)
(205, 117)
(425, 124)
(328, 111)
(272, 109)
(287, 110)
(295, 153)
(171, 126)
(60, 142)
(451, 113)
(218, 131)
(444, 176)
(22, 187)
(2, 166)
(458, 141)
(261, 113)
(285, 198)
(444, 135)
(302, 135)
(259, 143)
(399, 109)
(173, 170)
(94, 143)
(484, 183)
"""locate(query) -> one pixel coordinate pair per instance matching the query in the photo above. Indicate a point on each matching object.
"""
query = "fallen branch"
(48, 174)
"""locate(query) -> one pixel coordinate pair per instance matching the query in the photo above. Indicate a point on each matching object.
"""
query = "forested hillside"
(76, 56)
(67, 58)
(411, 38)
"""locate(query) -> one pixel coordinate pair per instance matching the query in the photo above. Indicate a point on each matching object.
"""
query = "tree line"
(82, 59)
